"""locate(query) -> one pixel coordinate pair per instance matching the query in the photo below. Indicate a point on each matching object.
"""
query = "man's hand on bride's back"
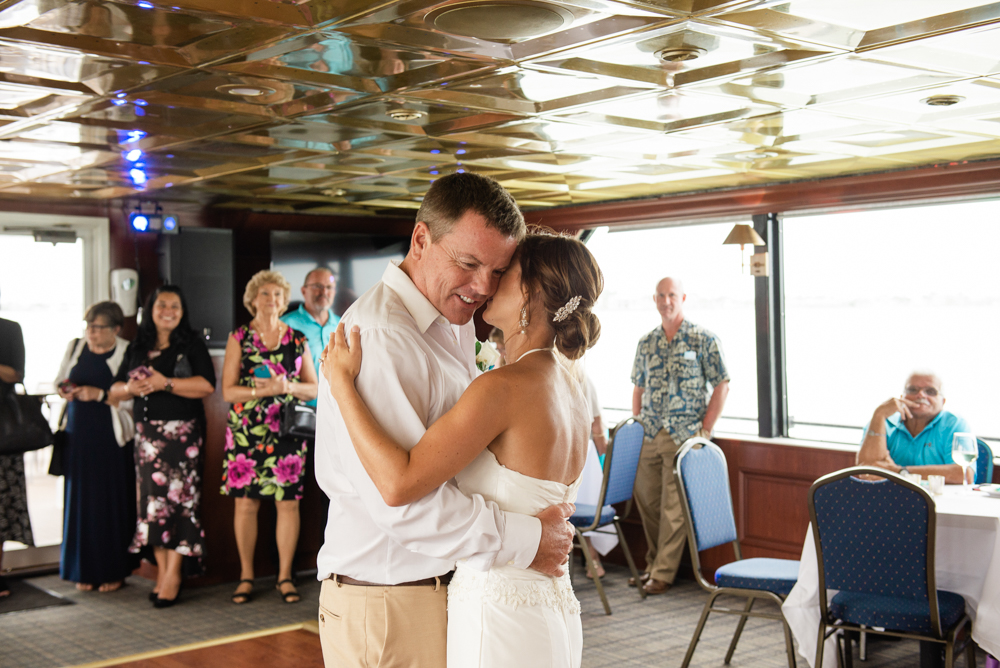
(342, 362)
(557, 540)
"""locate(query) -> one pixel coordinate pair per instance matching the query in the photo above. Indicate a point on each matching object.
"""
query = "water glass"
(936, 484)
(965, 452)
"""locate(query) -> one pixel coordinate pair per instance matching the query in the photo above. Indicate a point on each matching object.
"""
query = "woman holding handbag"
(268, 369)
(99, 491)
(14, 521)
(167, 372)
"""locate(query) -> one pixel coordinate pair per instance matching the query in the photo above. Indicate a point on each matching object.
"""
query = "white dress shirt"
(413, 371)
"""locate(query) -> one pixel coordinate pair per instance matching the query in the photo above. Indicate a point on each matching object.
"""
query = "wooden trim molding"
(978, 179)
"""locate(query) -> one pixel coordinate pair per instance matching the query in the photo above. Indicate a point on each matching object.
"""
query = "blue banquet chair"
(984, 463)
(875, 545)
(620, 464)
(703, 479)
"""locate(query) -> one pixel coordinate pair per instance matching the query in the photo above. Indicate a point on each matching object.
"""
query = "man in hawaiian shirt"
(674, 365)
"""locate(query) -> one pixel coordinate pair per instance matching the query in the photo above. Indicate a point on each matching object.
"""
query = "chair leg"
(863, 645)
(590, 567)
(739, 630)
(631, 562)
(970, 654)
(819, 645)
(698, 629)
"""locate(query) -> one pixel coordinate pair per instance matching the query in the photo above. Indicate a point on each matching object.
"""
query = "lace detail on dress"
(471, 585)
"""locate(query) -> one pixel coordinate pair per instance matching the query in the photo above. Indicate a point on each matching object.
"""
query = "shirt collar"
(414, 301)
(896, 422)
(306, 314)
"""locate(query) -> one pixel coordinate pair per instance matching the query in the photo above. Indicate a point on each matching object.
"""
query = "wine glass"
(965, 452)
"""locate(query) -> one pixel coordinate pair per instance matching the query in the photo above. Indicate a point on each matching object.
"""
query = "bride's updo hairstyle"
(554, 270)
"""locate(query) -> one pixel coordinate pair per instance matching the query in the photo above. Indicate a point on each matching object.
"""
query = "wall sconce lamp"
(743, 234)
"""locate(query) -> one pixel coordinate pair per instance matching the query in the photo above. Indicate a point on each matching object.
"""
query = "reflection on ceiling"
(355, 107)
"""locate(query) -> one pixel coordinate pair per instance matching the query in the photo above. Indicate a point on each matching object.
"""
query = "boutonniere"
(487, 356)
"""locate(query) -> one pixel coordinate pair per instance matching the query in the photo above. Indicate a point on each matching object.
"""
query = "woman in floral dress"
(267, 366)
(167, 371)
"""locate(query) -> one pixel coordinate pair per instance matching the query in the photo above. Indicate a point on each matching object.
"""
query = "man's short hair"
(928, 373)
(450, 197)
(309, 273)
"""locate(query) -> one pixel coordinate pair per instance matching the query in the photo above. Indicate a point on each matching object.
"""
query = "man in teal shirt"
(913, 433)
(314, 317)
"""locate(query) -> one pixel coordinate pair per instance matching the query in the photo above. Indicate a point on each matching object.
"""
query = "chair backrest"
(874, 536)
(700, 467)
(984, 463)
(621, 463)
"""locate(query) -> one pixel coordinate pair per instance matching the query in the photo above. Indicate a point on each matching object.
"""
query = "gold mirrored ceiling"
(353, 107)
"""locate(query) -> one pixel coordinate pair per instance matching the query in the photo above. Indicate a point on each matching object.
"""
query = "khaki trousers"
(659, 504)
(383, 627)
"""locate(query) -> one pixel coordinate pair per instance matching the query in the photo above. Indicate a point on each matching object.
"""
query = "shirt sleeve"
(713, 363)
(639, 365)
(395, 380)
(201, 361)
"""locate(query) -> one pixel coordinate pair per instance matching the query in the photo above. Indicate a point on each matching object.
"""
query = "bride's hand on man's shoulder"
(342, 358)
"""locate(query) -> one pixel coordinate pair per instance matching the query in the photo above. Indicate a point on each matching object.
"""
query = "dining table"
(967, 562)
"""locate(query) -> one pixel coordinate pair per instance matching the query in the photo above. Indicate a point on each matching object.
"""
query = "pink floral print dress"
(259, 462)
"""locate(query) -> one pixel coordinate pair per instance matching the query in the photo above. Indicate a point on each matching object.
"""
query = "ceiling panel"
(353, 107)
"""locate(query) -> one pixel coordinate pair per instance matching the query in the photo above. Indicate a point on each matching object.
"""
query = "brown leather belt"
(444, 579)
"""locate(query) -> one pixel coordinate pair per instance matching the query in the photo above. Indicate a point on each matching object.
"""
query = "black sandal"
(293, 593)
(241, 597)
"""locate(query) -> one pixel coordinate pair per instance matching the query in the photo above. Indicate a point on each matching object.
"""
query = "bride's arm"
(447, 447)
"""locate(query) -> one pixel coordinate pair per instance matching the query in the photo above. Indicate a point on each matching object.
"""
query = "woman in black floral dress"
(168, 370)
(267, 366)
(14, 521)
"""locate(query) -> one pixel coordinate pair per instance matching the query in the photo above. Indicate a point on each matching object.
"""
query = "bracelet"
(102, 396)
(253, 392)
(875, 433)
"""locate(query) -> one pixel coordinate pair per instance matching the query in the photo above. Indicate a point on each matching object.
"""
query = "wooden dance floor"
(295, 646)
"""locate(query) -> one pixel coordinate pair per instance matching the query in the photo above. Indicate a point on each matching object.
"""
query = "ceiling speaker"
(501, 21)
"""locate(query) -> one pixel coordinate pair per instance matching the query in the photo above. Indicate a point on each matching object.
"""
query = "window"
(719, 298)
(899, 289)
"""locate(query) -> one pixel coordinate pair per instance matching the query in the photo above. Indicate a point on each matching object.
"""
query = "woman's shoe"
(153, 596)
(168, 602)
(289, 596)
(241, 597)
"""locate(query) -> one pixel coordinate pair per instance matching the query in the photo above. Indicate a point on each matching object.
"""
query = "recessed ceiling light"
(942, 100)
(505, 20)
(245, 90)
(680, 54)
(405, 114)
(750, 156)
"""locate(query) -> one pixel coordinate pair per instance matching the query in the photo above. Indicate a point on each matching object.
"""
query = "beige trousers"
(383, 627)
(659, 503)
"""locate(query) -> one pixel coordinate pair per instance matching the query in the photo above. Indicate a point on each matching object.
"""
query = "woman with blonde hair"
(267, 367)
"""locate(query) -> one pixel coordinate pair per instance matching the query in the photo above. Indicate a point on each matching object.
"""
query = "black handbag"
(298, 420)
(23, 427)
(60, 443)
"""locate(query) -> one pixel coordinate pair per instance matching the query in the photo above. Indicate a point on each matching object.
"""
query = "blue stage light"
(133, 155)
(139, 221)
(138, 176)
(169, 223)
(119, 103)
(145, 5)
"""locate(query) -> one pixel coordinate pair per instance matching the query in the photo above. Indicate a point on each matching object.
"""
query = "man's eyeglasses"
(321, 286)
(927, 391)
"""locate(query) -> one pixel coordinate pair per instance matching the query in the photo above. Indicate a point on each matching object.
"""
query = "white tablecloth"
(967, 557)
(605, 539)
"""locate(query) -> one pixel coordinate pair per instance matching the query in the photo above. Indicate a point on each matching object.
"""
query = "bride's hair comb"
(565, 311)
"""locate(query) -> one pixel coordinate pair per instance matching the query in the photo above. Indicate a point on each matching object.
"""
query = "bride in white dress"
(518, 436)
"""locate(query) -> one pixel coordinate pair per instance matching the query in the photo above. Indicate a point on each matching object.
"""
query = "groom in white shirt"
(383, 601)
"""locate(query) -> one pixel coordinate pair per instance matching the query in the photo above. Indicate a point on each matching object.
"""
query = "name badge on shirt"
(690, 355)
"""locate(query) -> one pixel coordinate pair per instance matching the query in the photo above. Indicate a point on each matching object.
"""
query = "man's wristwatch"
(903, 471)
(168, 386)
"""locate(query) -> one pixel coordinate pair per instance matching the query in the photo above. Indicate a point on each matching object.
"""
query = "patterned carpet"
(654, 632)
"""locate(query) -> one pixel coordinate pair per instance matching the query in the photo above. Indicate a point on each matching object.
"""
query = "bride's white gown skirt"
(512, 618)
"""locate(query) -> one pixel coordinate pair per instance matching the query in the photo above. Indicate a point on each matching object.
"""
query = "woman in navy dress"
(99, 513)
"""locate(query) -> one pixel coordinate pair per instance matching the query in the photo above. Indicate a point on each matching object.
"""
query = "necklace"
(260, 333)
(528, 352)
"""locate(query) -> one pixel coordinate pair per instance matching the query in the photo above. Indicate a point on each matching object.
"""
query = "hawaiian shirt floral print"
(675, 376)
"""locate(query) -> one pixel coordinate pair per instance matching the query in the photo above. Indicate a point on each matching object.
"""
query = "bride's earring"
(524, 318)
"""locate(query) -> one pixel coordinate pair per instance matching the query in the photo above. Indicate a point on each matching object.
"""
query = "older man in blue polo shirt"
(912, 433)
(314, 317)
